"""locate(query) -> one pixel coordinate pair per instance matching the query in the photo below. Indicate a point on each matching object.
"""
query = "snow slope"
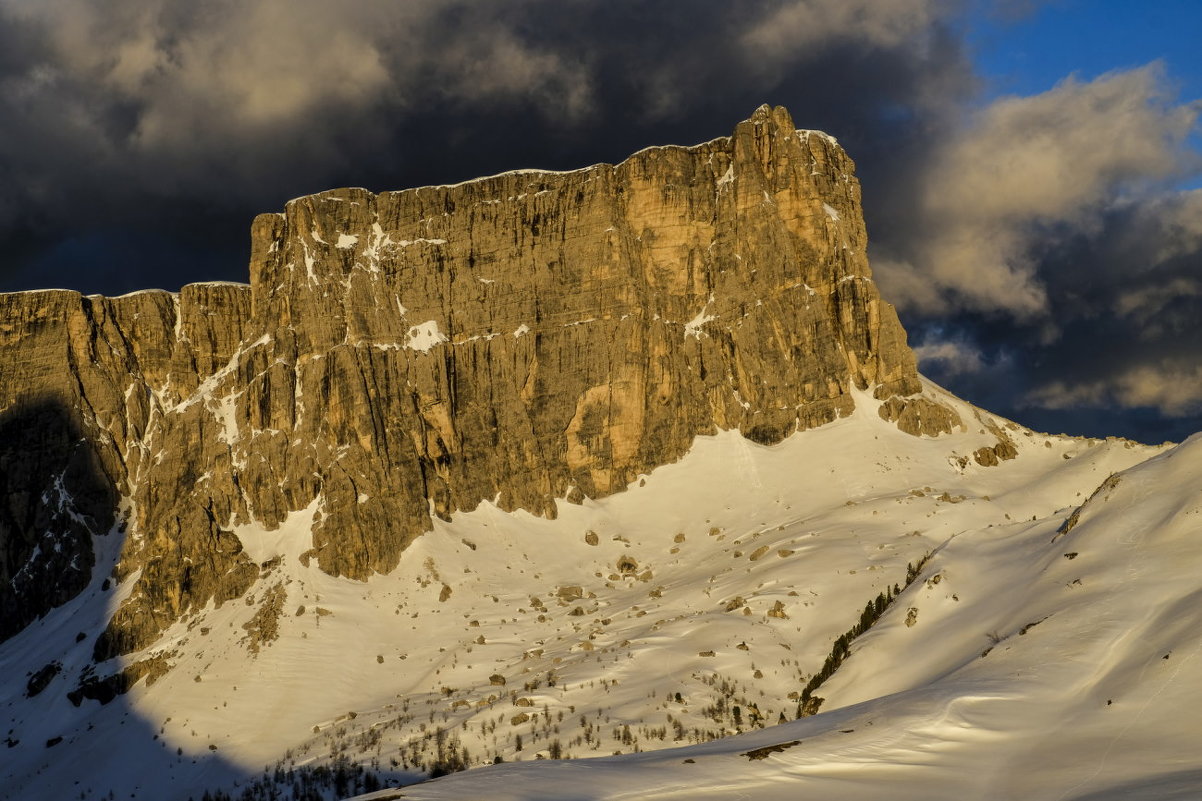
(1043, 665)
(695, 605)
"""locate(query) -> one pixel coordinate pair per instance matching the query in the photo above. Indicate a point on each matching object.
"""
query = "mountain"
(521, 339)
(559, 464)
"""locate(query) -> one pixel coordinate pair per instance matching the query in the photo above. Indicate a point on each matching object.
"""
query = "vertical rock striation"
(524, 338)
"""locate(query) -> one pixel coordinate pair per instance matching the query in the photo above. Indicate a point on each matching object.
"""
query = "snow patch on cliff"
(289, 539)
(424, 336)
(693, 327)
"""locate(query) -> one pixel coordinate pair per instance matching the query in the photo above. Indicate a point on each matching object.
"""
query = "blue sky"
(1040, 44)
(1028, 52)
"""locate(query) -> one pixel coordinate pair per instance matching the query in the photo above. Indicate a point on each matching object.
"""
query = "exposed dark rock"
(41, 678)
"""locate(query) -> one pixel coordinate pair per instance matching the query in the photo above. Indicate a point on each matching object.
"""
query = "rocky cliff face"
(521, 339)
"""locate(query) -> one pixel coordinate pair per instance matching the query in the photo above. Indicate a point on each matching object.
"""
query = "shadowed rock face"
(528, 337)
(54, 495)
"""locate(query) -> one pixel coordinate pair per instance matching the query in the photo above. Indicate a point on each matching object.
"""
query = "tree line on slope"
(809, 703)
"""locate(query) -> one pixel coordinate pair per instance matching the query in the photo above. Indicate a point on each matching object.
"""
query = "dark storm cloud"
(135, 124)
(1138, 278)
(1118, 350)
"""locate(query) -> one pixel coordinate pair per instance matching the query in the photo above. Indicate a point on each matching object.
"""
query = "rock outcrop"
(525, 338)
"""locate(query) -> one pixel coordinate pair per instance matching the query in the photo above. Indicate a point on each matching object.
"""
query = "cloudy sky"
(1032, 171)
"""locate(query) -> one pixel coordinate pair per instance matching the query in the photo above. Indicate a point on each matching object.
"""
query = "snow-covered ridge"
(135, 293)
(804, 133)
(50, 291)
(534, 172)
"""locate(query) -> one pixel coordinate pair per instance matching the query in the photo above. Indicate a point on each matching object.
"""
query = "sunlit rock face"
(523, 338)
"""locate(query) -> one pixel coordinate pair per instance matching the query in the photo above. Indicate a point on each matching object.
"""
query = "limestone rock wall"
(83, 385)
(527, 337)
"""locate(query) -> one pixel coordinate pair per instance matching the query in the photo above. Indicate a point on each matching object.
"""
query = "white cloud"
(198, 72)
(1024, 165)
(1146, 306)
(797, 27)
(949, 357)
(1173, 389)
